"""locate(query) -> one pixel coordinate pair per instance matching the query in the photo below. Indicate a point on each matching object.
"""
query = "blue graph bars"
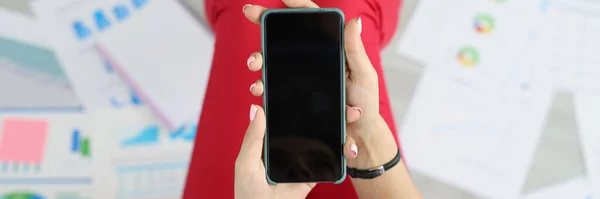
(148, 135)
(80, 145)
(75, 141)
(102, 20)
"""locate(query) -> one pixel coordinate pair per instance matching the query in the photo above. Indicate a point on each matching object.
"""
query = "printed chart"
(568, 45)
(40, 148)
(151, 135)
(22, 145)
(488, 131)
(140, 158)
(32, 79)
(151, 179)
(80, 145)
(483, 38)
(78, 25)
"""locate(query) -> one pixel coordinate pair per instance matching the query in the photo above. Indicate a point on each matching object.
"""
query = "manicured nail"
(253, 110)
(359, 22)
(252, 86)
(246, 6)
(354, 150)
(250, 60)
(358, 109)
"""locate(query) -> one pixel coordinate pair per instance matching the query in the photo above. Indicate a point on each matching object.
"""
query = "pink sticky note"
(23, 141)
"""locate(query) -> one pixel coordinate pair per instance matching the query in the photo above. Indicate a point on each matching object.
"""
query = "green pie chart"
(22, 195)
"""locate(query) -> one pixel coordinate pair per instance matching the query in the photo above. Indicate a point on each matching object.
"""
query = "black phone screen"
(304, 75)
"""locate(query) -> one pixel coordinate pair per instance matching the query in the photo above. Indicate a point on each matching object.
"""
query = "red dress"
(224, 116)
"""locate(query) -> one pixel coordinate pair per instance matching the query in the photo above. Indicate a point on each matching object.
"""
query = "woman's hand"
(250, 178)
(369, 133)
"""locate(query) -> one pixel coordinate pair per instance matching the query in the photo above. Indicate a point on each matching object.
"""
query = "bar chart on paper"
(80, 145)
(72, 152)
(150, 135)
(22, 145)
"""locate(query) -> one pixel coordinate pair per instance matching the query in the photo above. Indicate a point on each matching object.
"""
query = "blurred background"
(536, 127)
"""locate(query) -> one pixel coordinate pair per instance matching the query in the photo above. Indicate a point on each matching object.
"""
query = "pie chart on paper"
(22, 195)
(483, 24)
(468, 57)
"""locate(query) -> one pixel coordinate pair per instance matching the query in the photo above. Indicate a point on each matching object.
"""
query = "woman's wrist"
(376, 145)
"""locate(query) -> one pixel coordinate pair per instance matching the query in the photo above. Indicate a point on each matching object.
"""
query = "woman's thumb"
(358, 61)
(251, 150)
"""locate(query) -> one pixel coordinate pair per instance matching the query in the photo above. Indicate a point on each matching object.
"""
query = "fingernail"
(252, 86)
(246, 6)
(253, 110)
(359, 22)
(358, 109)
(354, 150)
(250, 60)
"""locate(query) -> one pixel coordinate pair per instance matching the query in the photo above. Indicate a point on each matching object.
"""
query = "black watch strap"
(373, 173)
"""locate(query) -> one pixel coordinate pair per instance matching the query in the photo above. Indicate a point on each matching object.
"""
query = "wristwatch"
(375, 172)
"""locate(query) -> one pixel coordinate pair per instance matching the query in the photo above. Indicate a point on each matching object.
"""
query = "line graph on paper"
(469, 127)
(31, 78)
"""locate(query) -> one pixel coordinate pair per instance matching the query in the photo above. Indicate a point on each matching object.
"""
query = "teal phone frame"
(342, 79)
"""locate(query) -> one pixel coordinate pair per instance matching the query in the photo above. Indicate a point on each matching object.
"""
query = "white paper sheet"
(32, 77)
(139, 159)
(587, 110)
(483, 113)
(568, 44)
(436, 24)
(577, 188)
(165, 59)
(423, 30)
(487, 41)
(75, 26)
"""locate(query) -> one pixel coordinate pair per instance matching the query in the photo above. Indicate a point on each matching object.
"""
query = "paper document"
(165, 59)
(480, 106)
(568, 44)
(577, 188)
(422, 32)
(32, 77)
(140, 158)
(488, 41)
(75, 25)
(587, 110)
(473, 134)
(436, 24)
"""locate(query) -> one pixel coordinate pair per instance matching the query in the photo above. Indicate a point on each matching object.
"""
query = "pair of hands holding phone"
(362, 113)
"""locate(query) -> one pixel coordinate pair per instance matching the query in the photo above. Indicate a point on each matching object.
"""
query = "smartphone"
(304, 97)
